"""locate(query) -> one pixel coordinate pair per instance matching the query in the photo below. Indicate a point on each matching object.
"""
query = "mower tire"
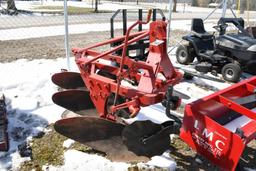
(184, 56)
(231, 72)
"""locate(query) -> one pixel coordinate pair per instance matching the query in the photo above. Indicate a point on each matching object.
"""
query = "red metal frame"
(4, 143)
(209, 138)
(151, 89)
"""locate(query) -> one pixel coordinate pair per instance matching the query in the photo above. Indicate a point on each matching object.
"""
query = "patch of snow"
(249, 169)
(173, 137)
(76, 160)
(28, 104)
(16, 160)
(67, 143)
(28, 89)
(198, 160)
(163, 161)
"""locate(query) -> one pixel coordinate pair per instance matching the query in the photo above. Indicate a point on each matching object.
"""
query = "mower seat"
(198, 30)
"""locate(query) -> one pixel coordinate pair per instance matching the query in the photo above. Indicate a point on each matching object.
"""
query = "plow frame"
(150, 90)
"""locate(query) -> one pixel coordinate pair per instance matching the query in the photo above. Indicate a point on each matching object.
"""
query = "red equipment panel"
(220, 125)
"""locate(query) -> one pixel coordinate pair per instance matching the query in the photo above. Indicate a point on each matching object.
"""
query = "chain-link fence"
(36, 29)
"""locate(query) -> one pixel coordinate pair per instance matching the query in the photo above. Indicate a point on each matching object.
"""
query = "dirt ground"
(53, 47)
(45, 47)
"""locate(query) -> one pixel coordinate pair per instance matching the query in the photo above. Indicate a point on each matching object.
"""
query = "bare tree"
(11, 5)
(174, 9)
(96, 6)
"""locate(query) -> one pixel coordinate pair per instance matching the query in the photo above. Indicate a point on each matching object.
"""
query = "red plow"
(111, 89)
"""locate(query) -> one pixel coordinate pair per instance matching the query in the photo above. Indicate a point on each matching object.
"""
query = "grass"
(71, 10)
(47, 150)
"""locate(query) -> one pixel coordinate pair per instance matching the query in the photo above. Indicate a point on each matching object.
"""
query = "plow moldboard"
(68, 80)
(74, 100)
(100, 134)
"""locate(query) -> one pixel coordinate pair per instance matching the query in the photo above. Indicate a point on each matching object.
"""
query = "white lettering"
(217, 144)
(196, 125)
(208, 135)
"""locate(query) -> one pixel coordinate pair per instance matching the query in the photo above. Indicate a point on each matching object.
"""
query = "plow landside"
(220, 126)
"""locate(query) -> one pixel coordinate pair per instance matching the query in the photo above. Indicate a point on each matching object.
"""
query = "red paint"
(150, 90)
(203, 133)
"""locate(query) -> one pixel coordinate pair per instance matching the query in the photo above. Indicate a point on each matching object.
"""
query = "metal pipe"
(116, 48)
(213, 11)
(248, 12)
(121, 38)
(238, 7)
(125, 45)
(169, 23)
(66, 34)
(224, 9)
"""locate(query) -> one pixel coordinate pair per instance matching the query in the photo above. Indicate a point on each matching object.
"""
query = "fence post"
(224, 9)
(169, 23)
(66, 34)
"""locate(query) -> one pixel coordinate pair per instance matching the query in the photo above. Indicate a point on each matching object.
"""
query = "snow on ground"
(163, 161)
(67, 143)
(76, 160)
(28, 89)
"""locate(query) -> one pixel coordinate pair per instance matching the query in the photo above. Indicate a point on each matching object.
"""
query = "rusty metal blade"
(100, 134)
(74, 100)
(146, 138)
(86, 129)
(68, 80)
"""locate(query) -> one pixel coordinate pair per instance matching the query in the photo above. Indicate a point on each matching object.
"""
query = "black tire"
(184, 55)
(231, 72)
